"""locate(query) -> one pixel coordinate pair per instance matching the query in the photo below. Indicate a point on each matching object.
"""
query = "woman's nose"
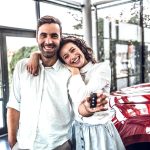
(72, 57)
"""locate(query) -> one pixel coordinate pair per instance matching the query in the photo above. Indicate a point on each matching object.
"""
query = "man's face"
(48, 39)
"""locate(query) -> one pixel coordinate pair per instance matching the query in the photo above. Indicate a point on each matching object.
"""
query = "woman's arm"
(33, 63)
(98, 80)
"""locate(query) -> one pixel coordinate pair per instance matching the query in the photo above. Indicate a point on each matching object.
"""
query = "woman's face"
(72, 55)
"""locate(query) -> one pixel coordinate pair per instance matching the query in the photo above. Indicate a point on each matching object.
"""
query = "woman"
(95, 132)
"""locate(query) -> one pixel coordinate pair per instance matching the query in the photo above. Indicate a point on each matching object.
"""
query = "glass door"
(3, 91)
(15, 52)
(13, 42)
(1, 99)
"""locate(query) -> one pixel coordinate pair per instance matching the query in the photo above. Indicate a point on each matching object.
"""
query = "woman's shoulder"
(104, 64)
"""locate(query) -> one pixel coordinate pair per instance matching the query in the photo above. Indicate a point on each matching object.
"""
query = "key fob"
(93, 100)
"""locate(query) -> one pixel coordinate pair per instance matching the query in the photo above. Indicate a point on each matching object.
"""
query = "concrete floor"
(139, 146)
(3, 143)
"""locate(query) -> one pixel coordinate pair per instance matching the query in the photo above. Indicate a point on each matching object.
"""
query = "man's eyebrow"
(42, 33)
(54, 33)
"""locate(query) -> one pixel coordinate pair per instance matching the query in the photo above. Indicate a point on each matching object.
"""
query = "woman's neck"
(85, 63)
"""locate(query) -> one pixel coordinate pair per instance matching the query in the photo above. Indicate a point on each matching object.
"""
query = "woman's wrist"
(83, 111)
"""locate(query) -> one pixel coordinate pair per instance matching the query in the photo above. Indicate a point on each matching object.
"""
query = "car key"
(93, 100)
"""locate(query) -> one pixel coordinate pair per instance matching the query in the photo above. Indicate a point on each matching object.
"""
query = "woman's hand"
(73, 70)
(85, 110)
(33, 63)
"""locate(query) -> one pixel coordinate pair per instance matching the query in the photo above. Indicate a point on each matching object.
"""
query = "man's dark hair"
(49, 20)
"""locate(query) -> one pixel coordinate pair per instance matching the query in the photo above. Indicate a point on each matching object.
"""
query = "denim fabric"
(96, 137)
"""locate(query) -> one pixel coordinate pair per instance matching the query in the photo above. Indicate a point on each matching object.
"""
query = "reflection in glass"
(1, 115)
(121, 60)
(15, 52)
(71, 23)
(1, 93)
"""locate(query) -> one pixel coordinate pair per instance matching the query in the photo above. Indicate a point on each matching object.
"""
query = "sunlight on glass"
(72, 21)
(15, 43)
(18, 13)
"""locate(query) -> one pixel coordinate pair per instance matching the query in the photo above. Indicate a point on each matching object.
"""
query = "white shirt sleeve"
(77, 88)
(16, 88)
(99, 79)
(14, 98)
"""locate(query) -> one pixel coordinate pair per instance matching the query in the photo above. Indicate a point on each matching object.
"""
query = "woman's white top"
(92, 78)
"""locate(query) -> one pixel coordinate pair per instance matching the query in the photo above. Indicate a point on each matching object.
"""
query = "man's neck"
(48, 62)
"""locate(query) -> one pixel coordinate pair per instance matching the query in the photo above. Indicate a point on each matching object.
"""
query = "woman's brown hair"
(81, 44)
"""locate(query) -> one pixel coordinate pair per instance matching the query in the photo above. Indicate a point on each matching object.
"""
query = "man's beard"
(48, 54)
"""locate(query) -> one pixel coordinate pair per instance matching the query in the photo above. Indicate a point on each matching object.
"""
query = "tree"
(135, 13)
(78, 19)
(23, 52)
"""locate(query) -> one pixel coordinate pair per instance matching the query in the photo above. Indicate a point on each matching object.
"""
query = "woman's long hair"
(87, 51)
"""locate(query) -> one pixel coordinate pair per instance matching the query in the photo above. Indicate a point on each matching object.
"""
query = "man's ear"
(36, 35)
(36, 39)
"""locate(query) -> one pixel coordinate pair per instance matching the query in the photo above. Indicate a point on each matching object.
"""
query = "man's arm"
(12, 125)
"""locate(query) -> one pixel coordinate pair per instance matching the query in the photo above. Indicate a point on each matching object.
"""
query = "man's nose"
(48, 40)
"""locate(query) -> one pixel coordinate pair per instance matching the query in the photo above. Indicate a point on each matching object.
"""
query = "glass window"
(1, 93)
(18, 13)
(1, 98)
(24, 45)
(146, 34)
(1, 115)
(146, 13)
(125, 29)
(70, 18)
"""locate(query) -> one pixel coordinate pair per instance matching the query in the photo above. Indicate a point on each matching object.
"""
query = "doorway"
(11, 41)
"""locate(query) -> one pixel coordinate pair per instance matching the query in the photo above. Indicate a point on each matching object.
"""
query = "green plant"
(23, 52)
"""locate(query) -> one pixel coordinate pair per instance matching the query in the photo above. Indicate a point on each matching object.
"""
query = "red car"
(132, 119)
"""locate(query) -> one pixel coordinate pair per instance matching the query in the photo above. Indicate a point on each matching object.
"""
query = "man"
(39, 113)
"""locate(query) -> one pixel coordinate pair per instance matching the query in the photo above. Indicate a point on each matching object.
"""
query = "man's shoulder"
(61, 65)
(63, 68)
(21, 63)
